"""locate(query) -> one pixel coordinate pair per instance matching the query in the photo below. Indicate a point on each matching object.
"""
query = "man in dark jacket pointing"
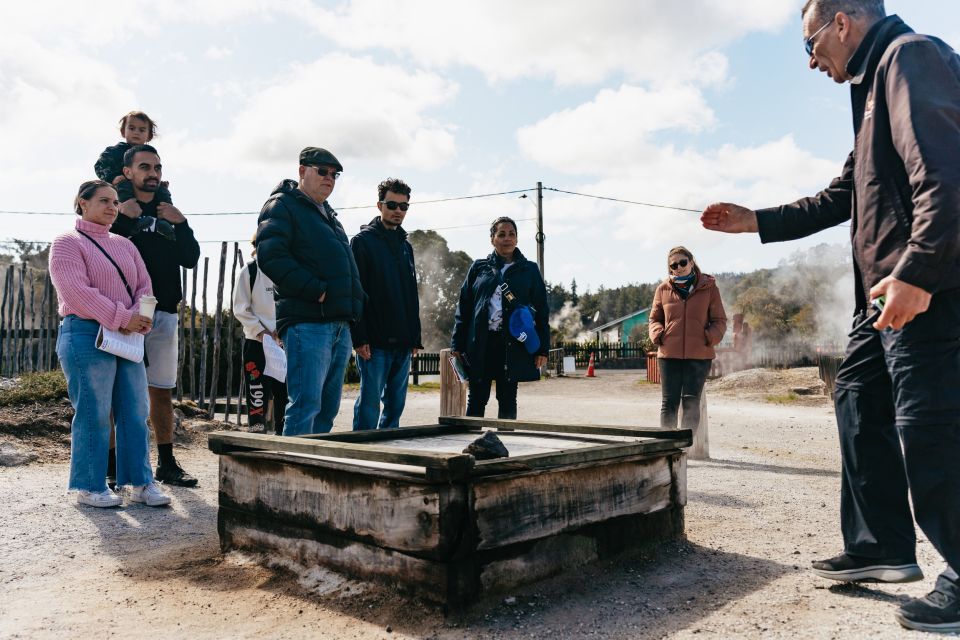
(303, 248)
(898, 389)
(388, 334)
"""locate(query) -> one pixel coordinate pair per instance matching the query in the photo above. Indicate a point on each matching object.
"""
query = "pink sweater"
(88, 285)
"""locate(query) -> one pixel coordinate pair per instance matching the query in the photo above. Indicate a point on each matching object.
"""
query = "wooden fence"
(607, 354)
(210, 345)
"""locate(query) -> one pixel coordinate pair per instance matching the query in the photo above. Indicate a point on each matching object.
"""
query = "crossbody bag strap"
(112, 261)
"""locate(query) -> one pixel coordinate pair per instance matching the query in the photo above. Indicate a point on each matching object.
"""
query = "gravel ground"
(759, 511)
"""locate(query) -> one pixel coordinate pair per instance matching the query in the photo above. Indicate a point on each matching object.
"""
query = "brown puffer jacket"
(690, 328)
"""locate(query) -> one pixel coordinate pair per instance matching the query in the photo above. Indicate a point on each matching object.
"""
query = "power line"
(251, 213)
(645, 204)
(13, 242)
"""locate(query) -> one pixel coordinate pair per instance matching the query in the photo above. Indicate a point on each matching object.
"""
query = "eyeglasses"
(679, 264)
(323, 172)
(809, 42)
(393, 206)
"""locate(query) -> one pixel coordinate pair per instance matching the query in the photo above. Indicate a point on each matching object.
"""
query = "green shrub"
(35, 387)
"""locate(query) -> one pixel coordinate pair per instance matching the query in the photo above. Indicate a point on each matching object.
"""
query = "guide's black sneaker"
(112, 482)
(172, 474)
(938, 611)
(849, 568)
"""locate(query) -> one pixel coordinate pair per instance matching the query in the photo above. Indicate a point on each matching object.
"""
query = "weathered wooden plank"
(612, 430)
(523, 563)
(406, 473)
(577, 456)
(380, 435)
(426, 578)
(456, 465)
(384, 512)
(509, 510)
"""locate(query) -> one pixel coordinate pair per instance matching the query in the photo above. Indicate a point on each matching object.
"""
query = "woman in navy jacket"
(481, 330)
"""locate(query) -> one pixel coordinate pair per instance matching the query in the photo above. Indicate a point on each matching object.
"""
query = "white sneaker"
(150, 494)
(102, 499)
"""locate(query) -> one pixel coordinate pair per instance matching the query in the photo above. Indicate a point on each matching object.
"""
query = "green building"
(619, 330)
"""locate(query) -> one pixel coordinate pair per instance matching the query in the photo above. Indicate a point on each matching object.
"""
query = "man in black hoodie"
(166, 243)
(303, 249)
(388, 333)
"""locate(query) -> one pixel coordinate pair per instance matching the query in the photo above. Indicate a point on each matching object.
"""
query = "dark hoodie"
(303, 248)
(391, 317)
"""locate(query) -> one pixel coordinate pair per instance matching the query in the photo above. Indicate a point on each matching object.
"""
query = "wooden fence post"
(33, 323)
(453, 393)
(4, 328)
(193, 333)
(181, 331)
(217, 330)
(231, 325)
(54, 317)
(19, 317)
(241, 388)
(700, 449)
(204, 340)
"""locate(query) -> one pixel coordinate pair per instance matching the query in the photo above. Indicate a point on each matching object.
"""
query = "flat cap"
(316, 156)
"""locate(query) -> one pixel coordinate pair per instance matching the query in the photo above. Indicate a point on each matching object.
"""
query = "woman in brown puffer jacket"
(687, 321)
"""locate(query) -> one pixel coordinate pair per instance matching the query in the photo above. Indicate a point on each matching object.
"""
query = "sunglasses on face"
(323, 172)
(679, 264)
(393, 206)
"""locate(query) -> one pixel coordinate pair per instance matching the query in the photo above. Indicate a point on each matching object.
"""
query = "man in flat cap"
(304, 250)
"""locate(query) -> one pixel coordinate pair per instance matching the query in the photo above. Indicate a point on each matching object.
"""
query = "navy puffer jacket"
(471, 320)
(303, 248)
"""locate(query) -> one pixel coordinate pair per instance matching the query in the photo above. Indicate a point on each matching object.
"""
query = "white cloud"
(214, 52)
(353, 106)
(613, 130)
(571, 40)
(46, 93)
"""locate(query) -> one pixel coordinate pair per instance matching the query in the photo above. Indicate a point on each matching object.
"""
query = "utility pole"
(540, 236)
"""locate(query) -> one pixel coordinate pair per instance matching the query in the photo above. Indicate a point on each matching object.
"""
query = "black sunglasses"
(393, 206)
(323, 172)
(680, 264)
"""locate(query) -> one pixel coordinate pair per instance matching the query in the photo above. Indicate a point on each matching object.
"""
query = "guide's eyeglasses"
(393, 206)
(809, 42)
(680, 264)
(323, 172)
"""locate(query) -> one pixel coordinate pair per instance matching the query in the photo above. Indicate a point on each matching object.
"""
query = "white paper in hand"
(276, 359)
(123, 345)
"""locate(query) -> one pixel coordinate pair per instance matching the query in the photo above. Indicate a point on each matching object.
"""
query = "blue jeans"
(96, 383)
(382, 377)
(898, 411)
(317, 354)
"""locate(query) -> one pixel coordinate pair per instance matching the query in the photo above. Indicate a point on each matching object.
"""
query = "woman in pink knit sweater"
(85, 266)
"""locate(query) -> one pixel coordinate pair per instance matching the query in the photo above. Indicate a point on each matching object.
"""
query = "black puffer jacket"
(303, 248)
(391, 316)
(471, 320)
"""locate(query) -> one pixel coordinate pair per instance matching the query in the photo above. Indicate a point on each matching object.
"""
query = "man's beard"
(150, 187)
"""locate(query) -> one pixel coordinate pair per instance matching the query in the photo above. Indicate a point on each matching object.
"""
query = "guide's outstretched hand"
(729, 218)
(904, 302)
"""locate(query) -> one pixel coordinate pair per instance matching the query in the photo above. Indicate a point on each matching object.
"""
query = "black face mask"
(150, 224)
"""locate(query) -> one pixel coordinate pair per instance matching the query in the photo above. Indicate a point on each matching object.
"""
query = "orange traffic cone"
(590, 373)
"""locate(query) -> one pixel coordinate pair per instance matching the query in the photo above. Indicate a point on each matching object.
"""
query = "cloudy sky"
(676, 103)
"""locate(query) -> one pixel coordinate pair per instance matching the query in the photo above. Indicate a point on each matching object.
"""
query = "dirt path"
(758, 513)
